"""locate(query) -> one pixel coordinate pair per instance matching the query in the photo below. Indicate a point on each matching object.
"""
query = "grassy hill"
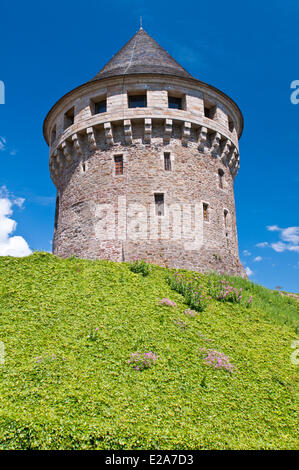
(70, 326)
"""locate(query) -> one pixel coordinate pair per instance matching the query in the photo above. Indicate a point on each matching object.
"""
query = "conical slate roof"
(142, 54)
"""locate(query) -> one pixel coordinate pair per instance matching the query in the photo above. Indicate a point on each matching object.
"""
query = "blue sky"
(249, 50)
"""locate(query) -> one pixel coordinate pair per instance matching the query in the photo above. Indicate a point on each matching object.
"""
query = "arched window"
(221, 177)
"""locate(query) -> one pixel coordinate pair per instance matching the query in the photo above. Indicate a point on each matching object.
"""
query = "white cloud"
(262, 244)
(10, 245)
(289, 239)
(2, 143)
(3, 147)
(246, 253)
(273, 228)
(248, 271)
(258, 258)
(290, 234)
(279, 247)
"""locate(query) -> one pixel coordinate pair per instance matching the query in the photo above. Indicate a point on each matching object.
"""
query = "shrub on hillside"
(191, 290)
(224, 290)
(140, 267)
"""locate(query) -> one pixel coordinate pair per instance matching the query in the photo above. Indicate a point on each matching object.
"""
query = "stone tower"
(144, 157)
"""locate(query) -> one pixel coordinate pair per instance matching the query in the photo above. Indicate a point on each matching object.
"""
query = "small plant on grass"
(216, 359)
(181, 324)
(140, 267)
(190, 313)
(93, 334)
(142, 361)
(168, 302)
(48, 359)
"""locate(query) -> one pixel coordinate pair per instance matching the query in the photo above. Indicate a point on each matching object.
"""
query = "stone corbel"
(108, 133)
(76, 142)
(128, 131)
(226, 153)
(167, 130)
(57, 159)
(233, 164)
(147, 130)
(65, 149)
(186, 132)
(202, 139)
(91, 138)
(215, 144)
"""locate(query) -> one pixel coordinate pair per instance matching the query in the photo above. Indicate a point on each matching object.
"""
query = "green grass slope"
(59, 389)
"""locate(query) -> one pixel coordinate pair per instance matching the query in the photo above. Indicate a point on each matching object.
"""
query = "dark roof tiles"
(141, 54)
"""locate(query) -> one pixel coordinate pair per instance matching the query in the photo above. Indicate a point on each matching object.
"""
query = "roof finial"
(141, 22)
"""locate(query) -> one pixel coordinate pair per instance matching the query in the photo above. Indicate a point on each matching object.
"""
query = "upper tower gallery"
(138, 153)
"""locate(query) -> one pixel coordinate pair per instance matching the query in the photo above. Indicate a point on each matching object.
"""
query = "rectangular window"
(174, 102)
(159, 203)
(69, 118)
(167, 161)
(205, 212)
(230, 124)
(119, 165)
(225, 217)
(100, 107)
(137, 101)
(220, 177)
(209, 110)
